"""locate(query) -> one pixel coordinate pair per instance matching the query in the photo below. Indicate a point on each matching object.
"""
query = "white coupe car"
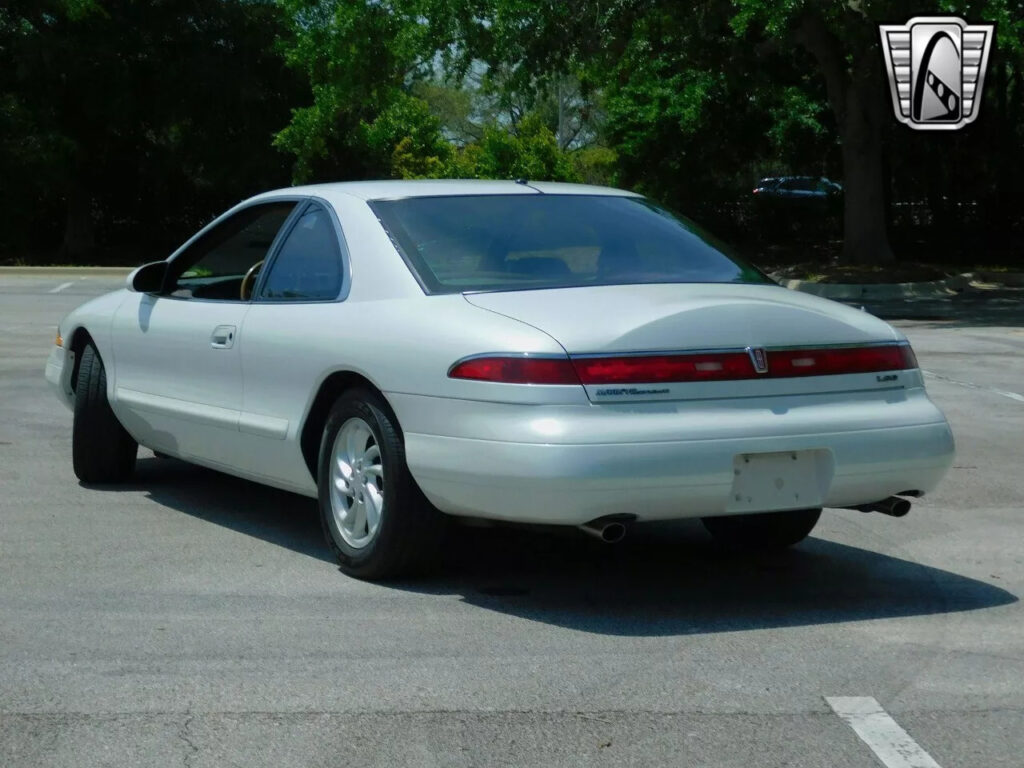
(514, 351)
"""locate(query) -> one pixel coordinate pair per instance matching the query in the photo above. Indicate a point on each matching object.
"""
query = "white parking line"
(890, 743)
(971, 385)
(61, 287)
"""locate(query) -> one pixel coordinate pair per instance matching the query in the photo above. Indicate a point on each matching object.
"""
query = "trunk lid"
(631, 319)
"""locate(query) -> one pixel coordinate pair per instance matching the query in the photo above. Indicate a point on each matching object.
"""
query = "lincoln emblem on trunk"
(758, 358)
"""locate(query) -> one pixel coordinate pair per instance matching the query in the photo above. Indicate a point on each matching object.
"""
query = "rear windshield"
(516, 242)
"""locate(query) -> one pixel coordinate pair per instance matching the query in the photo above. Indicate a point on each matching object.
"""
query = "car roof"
(399, 189)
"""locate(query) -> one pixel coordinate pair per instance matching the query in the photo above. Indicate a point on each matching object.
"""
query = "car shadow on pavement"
(279, 517)
(663, 579)
(672, 579)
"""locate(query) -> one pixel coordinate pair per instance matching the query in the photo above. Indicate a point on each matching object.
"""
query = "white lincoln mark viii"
(515, 351)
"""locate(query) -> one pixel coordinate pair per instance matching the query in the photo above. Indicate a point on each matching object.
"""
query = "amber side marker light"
(59, 341)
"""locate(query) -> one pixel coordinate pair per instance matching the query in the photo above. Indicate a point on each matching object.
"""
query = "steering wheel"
(249, 281)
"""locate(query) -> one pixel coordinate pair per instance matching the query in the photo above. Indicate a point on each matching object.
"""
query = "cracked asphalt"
(192, 618)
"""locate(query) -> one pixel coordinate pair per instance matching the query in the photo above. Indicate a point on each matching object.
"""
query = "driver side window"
(215, 266)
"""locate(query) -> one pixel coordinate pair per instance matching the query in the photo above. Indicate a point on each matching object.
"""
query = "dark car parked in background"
(797, 188)
(809, 204)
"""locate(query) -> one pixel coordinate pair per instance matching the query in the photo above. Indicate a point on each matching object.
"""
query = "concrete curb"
(84, 271)
(932, 289)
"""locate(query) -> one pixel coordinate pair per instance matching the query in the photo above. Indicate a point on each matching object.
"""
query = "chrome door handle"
(223, 337)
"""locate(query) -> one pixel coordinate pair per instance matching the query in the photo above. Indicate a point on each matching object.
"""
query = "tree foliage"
(373, 69)
(125, 124)
(842, 37)
(358, 58)
(116, 111)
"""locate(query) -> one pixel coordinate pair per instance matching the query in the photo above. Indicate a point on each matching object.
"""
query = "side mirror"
(149, 278)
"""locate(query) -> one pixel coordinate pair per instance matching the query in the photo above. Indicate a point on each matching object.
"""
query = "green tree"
(378, 108)
(699, 94)
(361, 59)
(133, 122)
(843, 38)
(689, 107)
(405, 140)
(531, 152)
(680, 102)
(154, 114)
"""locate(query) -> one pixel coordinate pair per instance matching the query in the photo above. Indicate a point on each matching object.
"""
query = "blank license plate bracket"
(764, 482)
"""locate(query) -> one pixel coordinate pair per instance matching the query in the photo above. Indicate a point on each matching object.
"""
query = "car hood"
(662, 317)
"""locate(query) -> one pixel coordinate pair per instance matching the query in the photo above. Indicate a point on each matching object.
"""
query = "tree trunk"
(865, 234)
(79, 234)
(855, 98)
(1001, 208)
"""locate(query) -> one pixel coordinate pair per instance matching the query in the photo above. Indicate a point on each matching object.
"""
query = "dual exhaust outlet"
(612, 529)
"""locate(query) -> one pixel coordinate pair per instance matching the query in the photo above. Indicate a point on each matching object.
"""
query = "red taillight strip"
(655, 369)
(683, 366)
(788, 363)
(737, 366)
(515, 369)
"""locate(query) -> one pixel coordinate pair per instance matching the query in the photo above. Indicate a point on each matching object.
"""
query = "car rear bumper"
(863, 451)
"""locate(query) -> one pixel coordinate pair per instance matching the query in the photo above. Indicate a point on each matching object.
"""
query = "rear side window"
(308, 266)
(800, 184)
(511, 242)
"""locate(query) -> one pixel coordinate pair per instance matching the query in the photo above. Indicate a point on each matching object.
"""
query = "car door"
(285, 351)
(178, 375)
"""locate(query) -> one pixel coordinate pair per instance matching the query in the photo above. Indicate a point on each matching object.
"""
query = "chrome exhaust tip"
(611, 529)
(893, 506)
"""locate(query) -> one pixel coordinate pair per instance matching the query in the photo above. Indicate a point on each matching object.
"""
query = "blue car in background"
(797, 188)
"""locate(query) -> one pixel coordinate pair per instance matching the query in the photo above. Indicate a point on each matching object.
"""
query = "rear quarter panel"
(401, 346)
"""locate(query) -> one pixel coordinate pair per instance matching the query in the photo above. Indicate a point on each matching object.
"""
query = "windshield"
(515, 242)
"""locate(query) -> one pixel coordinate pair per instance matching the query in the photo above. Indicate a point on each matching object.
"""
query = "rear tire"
(101, 450)
(763, 531)
(375, 518)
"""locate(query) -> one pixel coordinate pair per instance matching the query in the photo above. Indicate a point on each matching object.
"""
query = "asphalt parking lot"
(192, 618)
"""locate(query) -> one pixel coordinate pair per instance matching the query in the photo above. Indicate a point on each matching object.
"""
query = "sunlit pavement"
(193, 618)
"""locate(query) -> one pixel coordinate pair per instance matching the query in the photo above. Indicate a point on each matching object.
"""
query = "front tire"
(101, 450)
(763, 531)
(375, 518)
